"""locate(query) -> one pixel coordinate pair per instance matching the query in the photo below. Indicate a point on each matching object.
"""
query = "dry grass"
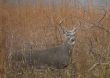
(22, 25)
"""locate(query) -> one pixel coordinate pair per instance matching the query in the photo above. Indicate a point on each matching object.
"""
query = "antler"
(60, 24)
(77, 26)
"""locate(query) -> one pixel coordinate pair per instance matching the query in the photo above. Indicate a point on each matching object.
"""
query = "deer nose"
(72, 40)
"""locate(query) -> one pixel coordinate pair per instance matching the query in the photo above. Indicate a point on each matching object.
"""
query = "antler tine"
(60, 24)
(78, 26)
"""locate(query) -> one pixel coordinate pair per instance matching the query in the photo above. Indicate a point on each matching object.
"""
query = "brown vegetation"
(39, 27)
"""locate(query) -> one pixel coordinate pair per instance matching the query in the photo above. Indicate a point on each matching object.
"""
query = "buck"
(56, 57)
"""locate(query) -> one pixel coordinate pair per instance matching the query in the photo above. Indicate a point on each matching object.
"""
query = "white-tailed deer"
(56, 57)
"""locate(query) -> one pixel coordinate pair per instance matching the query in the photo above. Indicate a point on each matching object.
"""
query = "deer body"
(57, 57)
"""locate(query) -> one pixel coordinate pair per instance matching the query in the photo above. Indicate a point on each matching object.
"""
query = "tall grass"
(38, 27)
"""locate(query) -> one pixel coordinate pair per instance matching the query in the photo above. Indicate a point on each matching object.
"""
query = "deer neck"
(67, 45)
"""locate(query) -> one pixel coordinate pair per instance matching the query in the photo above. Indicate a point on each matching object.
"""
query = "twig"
(90, 69)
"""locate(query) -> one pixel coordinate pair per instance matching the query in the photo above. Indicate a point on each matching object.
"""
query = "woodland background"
(21, 22)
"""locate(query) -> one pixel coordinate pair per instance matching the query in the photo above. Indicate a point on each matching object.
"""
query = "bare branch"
(97, 23)
(94, 66)
(104, 13)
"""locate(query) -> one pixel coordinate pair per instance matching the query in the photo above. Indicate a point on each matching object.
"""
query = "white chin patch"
(73, 43)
